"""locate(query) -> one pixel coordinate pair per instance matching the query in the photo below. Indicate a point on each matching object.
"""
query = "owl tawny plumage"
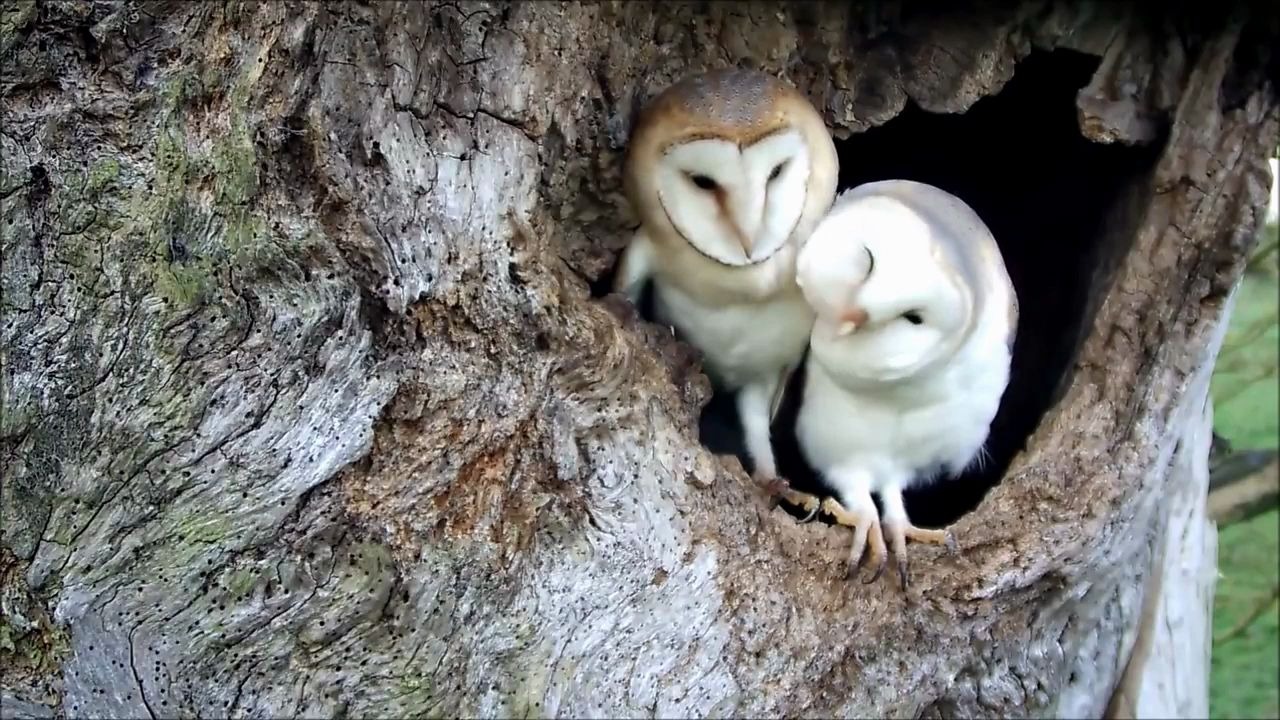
(728, 172)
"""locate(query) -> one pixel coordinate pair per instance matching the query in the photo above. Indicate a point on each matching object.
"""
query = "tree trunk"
(309, 409)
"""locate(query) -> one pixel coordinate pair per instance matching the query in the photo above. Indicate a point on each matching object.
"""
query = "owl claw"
(802, 500)
(880, 564)
(867, 536)
(900, 532)
(774, 487)
(879, 553)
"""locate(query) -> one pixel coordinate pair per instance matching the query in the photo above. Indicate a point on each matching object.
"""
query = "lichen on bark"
(32, 646)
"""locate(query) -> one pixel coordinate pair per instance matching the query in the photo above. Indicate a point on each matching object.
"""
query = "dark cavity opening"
(1047, 194)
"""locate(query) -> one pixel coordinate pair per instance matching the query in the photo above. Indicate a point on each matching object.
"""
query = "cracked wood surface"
(1167, 672)
(307, 410)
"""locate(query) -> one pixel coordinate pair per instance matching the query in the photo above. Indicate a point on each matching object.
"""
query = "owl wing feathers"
(784, 376)
(635, 266)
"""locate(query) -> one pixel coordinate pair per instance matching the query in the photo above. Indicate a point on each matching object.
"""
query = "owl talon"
(773, 487)
(867, 536)
(880, 565)
(900, 532)
(802, 500)
(879, 553)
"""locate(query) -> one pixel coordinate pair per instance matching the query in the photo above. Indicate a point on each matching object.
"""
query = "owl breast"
(913, 429)
(740, 342)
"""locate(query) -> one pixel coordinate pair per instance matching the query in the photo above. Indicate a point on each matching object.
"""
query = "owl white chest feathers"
(749, 322)
(911, 349)
(907, 432)
(742, 340)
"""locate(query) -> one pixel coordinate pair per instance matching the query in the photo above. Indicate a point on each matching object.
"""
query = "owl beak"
(741, 237)
(736, 214)
(850, 321)
(734, 227)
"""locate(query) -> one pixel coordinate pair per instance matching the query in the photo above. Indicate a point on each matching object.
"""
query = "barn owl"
(909, 355)
(729, 171)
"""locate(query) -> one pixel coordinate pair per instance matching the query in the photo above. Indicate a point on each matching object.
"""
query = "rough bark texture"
(1167, 674)
(308, 411)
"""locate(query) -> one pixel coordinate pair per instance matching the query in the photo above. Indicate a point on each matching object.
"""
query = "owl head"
(734, 163)
(890, 282)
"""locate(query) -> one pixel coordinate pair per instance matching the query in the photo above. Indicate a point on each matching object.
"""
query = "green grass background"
(1245, 675)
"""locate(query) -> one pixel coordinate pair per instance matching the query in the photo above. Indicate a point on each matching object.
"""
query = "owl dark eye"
(704, 182)
(777, 170)
(913, 317)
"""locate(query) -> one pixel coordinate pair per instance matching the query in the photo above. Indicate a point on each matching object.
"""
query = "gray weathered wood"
(1168, 649)
(307, 410)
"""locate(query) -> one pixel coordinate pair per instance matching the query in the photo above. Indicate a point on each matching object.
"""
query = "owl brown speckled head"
(734, 162)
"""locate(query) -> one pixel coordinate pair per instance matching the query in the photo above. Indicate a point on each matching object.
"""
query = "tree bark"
(1167, 674)
(308, 410)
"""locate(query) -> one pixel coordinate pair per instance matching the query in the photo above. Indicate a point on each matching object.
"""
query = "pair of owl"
(897, 288)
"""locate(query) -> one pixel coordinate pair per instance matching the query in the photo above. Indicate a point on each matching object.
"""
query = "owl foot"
(772, 486)
(867, 536)
(901, 531)
(804, 501)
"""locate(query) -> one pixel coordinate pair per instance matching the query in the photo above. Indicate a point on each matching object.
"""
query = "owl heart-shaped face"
(885, 288)
(734, 163)
(736, 205)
